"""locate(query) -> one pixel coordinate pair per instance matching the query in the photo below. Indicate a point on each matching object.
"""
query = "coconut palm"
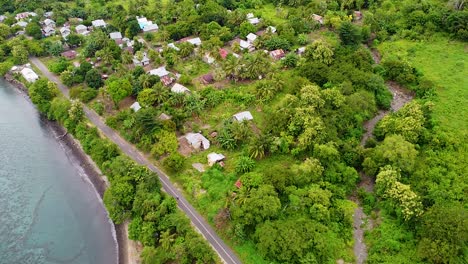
(126, 57)
(145, 81)
(166, 239)
(231, 67)
(259, 146)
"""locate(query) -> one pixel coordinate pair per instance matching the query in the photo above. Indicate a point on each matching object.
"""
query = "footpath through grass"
(445, 63)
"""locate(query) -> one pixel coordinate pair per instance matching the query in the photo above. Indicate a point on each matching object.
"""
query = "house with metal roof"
(135, 106)
(246, 115)
(161, 72)
(98, 23)
(179, 88)
(197, 141)
(29, 75)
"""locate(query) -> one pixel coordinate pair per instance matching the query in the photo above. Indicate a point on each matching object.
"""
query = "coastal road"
(224, 252)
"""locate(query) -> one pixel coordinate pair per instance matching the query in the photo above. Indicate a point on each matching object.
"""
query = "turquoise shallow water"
(49, 211)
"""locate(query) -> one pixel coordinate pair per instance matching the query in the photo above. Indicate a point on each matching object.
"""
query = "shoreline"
(93, 173)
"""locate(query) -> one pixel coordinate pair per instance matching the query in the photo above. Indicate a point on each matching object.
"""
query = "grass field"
(445, 63)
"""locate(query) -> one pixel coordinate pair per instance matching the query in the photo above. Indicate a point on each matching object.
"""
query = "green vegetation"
(281, 194)
(135, 192)
(450, 79)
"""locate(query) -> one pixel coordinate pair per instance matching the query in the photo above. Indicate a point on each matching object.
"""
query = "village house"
(223, 53)
(239, 117)
(29, 75)
(70, 54)
(48, 14)
(251, 38)
(115, 35)
(24, 15)
(146, 25)
(318, 18)
(173, 46)
(245, 45)
(21, 24)
(238, 184)
(357, 15)
(164, 117)
(195, 41)
(207, 78)
(179, 88)
(214, 158)
(167, 80)
(48, 22)
(48, 31)
(143, 61)
(208, 59)
(277, 54)
(271, 29)
(82, 30)
(161, 72)
(252, 19)
(142, 22)
(197, 141)
(300, 50)
(151, 28)
(65, 32)
(99, 23)
(135, 106)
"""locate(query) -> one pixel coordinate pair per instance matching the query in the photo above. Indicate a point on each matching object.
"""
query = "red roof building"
(223, 53)
(167, 80)
(207, 78)
(71, 54)
(238, 184)
(277, 54)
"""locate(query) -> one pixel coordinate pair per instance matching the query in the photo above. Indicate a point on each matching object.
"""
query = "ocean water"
(49, 211)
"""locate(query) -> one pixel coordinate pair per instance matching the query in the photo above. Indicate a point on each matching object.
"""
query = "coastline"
(93, 173)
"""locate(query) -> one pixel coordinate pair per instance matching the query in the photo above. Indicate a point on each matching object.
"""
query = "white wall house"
(29, 75)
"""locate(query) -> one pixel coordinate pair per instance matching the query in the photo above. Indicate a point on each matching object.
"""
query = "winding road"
(224, 252)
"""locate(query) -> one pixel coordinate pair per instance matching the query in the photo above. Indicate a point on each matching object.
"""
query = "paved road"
(224, 252)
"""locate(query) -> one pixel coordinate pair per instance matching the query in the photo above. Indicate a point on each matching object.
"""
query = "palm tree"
(126, 57)
(106, 55)
(162, 93)
(145, 81)
(166, 239)
(231, 67)
(259, 146)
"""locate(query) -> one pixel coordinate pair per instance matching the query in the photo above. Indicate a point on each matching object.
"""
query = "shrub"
(175, 162)
(98, 107)
(245, 164)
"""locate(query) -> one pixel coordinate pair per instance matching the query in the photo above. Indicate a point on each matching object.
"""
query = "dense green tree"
(118, 89)
(444, 233)
(42, 92)
(20, 54)
(295, 241)
(350, 34)
(400, 195)
(93, 79)
(394, 151)
(34, 30)
(321, 51)
(147, 97)
(246, 28)
(258, 204)
(55, 48)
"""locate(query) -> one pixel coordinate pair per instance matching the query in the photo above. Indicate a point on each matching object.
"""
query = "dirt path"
(400, 98)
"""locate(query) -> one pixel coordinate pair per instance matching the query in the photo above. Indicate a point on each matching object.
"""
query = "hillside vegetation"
(310, 74)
